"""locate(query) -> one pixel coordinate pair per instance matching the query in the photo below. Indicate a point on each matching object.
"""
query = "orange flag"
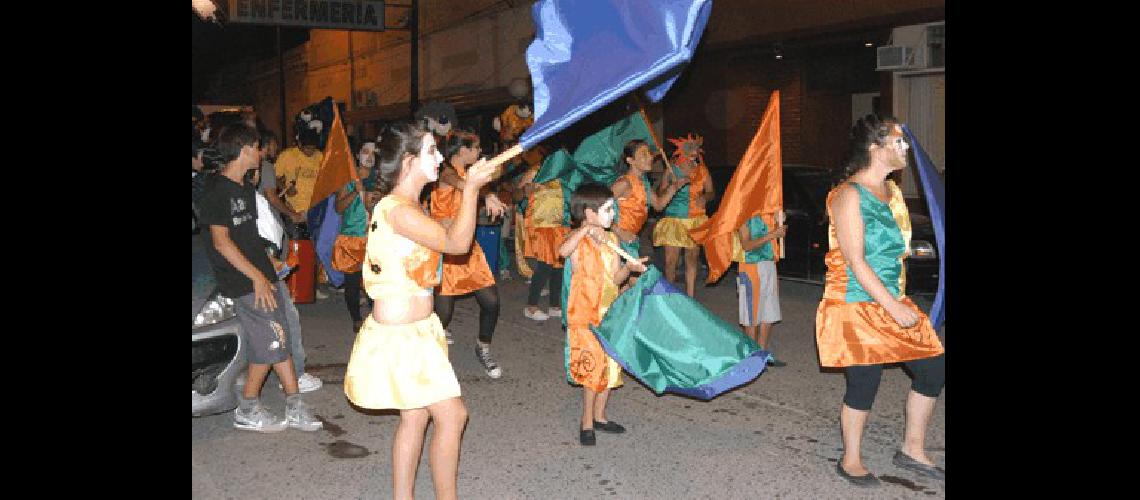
(337, 166)
(756, 188)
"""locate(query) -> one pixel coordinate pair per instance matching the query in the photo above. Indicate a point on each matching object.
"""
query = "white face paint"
(429, 158)
(606, 213)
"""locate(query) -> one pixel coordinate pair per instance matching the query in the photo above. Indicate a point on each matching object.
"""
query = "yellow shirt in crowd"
(294, 165)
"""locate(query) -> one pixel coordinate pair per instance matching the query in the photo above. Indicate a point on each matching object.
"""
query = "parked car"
(805, 193)
(218, 355)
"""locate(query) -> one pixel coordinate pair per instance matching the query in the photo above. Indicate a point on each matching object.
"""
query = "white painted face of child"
(606, 213)
(429, 158)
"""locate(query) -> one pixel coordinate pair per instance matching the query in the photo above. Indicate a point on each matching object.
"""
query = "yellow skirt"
(400, 366)
(674, 231)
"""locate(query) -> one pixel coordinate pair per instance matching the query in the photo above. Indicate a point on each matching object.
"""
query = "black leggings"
(352, 285)
(488, 299)
(544, 272)
(928, 375)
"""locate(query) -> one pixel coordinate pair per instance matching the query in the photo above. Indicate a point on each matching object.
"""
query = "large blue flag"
(587, 53)
(935, 193)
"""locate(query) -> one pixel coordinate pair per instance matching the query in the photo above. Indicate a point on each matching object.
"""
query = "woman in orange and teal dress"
(399, 359)
(685, 211)
(865, 320)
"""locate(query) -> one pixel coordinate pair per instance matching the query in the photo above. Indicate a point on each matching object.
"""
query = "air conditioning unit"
(915, 47)
(894, 57)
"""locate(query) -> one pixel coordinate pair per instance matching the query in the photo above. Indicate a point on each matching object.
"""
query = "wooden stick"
(622, 253)
(504, 157)
(653, 135)
(780, 219)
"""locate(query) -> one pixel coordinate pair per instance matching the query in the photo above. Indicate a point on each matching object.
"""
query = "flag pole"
(780, 218)
(504, 157)
(653, 133)
(622, 253)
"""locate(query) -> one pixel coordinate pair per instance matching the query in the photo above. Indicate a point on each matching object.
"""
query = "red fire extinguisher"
(303, 282)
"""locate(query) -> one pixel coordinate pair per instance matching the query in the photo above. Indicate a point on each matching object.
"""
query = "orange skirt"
(464, 274)
(348, 253)
(543, 242)
(864, 333)
(590, 366)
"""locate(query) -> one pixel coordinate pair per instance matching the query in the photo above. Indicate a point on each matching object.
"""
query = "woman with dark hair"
(634, 197)
(466, 273)
(399, 359)
(865, 320)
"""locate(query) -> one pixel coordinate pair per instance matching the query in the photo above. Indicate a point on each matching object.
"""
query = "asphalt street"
(777, 437)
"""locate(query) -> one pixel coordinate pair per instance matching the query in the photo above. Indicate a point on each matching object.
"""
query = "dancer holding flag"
(685, 211)
(399, 359)
(865, 320)
(599, 272)
(746, 229)
(634, 196)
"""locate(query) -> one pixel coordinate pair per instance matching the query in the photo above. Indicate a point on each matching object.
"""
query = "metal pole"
(414, 100)
(281, 80)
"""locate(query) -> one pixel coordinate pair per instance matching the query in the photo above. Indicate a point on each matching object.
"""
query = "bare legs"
(593, 407)
(256, 374)
(450, 418)
(919, 408)
(765, 331)
(672, 256)
(918, 411)
(692, 263)
(852, 422)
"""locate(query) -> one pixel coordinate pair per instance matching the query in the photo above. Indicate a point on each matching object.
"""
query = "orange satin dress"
(851, 330)
(592, 291)
(462, 274)
(544, 229)
(634, 207)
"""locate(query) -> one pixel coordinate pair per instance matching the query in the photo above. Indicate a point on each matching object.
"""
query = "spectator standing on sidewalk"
(244, 272)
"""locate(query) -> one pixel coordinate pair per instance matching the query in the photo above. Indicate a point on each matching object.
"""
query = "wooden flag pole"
(653, 135)
(622, 253)
(780, 219)
(504, 157)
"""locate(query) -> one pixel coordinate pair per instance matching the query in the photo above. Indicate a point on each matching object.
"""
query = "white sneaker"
(447, 333)
(321, 295)
(306, 383)
(544, 292)
(489, 364)
(537, 315)
(554, 312)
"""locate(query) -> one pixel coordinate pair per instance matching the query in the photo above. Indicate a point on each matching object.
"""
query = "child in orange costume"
(597, 272)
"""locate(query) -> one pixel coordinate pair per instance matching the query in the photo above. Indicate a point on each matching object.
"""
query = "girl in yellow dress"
(399, 359)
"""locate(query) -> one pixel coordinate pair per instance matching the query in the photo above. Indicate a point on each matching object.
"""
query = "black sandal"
(866, 480)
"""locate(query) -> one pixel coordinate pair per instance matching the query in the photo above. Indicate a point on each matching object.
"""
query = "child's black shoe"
(611, 427)
(586, 437)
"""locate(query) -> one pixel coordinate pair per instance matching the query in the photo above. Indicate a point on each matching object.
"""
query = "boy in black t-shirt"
(244, 273)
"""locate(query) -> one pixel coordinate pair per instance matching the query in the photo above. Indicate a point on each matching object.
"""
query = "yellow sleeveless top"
(395, 264)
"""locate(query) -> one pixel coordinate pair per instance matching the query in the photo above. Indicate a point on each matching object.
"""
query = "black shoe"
(611, 427)
(902, 460)
(865, 481)
(586, 437)
(773, 362)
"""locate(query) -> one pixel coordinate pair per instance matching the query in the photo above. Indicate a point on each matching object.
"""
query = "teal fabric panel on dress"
(354, 221)
(679, 205)
(883, 246)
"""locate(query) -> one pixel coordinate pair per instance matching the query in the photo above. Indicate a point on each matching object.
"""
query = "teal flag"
(671, 343)
(595, 158)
